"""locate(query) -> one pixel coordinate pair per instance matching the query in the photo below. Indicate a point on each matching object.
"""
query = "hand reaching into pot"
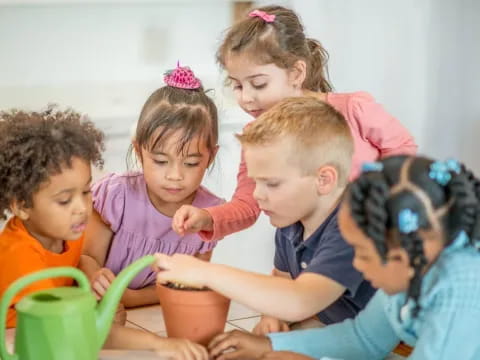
(182, 269)
(239, 345)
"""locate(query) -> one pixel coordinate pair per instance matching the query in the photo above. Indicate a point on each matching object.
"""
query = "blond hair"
(320, 133)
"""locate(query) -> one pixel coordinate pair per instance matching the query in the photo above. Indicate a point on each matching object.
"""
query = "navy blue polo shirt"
(326, 253)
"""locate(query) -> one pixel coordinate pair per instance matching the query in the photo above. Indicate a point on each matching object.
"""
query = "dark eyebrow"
(71, 189)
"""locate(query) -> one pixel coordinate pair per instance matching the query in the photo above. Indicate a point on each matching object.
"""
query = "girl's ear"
(327, 179)
(212, 155)
(400, 256)
(298, 73)
(19, 210)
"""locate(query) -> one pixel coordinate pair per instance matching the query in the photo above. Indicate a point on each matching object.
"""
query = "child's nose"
(247, 95)
(174, 173)
(258, 193)
(82, 205)
(357, 264)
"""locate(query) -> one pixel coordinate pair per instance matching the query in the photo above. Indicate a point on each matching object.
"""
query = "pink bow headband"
(268, 18)
(182, 77)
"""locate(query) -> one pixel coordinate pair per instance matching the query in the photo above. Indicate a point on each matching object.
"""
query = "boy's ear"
(212, 155)
(327, 179)
(19, 210)
(298, 73)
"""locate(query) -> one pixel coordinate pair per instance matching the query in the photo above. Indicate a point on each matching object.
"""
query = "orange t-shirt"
(22, 254)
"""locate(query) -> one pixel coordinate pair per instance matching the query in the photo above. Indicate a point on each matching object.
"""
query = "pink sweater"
(376, 134)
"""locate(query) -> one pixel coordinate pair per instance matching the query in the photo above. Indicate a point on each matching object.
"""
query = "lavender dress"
(139, 229)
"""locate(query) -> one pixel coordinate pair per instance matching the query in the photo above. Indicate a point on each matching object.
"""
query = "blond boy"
(299, 154)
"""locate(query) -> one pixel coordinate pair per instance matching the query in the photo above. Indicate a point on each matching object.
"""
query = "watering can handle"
(24, 281)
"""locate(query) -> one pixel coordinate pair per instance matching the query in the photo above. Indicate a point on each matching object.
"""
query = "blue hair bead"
(440, 173)
(372, 166)
(407, 221)
(453, 165)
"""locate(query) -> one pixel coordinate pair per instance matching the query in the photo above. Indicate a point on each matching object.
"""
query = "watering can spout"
(106, 310)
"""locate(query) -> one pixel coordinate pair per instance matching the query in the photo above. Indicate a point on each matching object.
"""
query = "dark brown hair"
(282, 42)
(36, 145)
(170, 109)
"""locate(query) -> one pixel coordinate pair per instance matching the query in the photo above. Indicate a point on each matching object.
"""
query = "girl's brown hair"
(170, 109)
(282, 42)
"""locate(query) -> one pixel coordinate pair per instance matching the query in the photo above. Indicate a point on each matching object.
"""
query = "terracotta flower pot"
(197, 315)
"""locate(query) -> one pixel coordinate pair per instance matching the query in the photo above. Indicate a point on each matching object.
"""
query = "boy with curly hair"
(45, 179)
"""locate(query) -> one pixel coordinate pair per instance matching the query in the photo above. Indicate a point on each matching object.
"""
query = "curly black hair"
(376, 198)
(36, 145)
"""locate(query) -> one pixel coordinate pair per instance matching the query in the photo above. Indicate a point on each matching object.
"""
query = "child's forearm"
(274, 296)
(140, 297)
(237, 214)
(88, 265)
(121, 337)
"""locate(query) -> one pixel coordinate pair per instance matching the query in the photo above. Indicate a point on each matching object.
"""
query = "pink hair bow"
(269, 18)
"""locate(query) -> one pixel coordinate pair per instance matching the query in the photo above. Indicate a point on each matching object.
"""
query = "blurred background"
(419, 58)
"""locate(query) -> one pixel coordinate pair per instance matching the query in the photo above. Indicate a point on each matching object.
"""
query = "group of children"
(405, 225)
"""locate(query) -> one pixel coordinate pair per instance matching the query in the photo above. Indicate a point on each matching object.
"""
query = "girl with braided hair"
(414, 224)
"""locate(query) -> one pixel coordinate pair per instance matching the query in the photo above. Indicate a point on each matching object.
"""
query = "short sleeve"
(109, 199)
(280, 260)
(334, 259)
(25, 261)
(380, 128)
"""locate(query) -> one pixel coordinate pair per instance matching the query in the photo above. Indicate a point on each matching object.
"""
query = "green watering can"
(63, 323)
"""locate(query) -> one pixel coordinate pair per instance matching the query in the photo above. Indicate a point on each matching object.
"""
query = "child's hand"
(120, 315)
(181, 349)
(101, 281)
(269, 325)
(179, 268)
(284, 355)
(190, 219)
(243, 345)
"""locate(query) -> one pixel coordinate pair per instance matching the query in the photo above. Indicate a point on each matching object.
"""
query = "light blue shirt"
(447, 326)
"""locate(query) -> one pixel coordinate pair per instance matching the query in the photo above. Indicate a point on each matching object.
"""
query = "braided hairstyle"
(378, 197)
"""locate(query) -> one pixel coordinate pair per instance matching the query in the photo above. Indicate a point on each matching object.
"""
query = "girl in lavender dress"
(175, 142)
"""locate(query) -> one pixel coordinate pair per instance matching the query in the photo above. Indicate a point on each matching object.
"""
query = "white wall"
(417, 57)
